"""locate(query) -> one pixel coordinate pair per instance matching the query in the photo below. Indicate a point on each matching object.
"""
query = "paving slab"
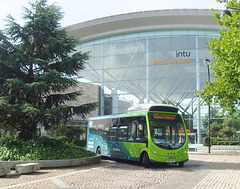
(201, 171)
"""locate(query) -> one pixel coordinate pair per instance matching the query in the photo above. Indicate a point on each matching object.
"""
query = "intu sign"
(182, 57)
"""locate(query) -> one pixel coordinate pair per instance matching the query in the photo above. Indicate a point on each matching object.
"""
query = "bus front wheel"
(99, 152)
(145, 160)
(181, 164)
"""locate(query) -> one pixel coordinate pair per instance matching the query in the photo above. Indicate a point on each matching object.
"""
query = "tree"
(38, 63)
(214, 129)
(214, 117)
(225, 89)
(221, 129)
(227, 131)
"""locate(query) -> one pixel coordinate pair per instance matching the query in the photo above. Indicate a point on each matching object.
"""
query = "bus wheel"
(145, 160)
(181, 164)
(99, 152)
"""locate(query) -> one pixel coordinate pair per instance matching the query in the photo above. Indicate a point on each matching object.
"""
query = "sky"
(76, 11)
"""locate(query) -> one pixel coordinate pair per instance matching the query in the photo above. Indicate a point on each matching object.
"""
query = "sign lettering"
(164, 116)
(179, 54)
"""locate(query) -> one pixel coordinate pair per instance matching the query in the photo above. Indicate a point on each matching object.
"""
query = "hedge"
(223, 141)
(41, 148)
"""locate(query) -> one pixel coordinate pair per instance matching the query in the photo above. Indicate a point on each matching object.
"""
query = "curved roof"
(144, 21)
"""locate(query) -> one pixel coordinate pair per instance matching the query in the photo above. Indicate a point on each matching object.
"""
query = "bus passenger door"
(137, 137)
(142, 135)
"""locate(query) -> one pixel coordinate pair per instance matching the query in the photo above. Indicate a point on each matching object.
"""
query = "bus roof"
(153, 107)
(139, 110)
(126, 114)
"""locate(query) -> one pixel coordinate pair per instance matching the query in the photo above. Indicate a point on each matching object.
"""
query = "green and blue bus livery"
(147, 133)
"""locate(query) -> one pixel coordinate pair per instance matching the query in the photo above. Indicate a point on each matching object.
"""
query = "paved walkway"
(201, 171)
(212, 172)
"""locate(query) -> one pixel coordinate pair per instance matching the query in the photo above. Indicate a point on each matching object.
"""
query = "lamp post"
(227, 12)
(207, 63)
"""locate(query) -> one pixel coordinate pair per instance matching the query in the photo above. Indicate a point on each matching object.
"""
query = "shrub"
(223, 141)
(221, 129)
(41, 148)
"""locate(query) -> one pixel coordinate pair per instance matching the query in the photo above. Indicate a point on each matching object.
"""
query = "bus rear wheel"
(99, 152)
(145, 160)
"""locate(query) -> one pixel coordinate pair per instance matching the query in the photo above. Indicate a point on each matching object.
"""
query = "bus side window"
(142, 134)
(103, 128)
(100, 128)
(122, 133)
(93, 127)
(122, 129)
(113, 131)
(132, 125)
(107, 125)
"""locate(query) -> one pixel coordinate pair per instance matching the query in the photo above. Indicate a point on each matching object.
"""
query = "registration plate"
(170, 161)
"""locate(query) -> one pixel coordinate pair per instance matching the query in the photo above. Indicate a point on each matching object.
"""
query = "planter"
(56, 163)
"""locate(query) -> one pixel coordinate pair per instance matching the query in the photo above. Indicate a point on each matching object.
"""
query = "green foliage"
(38, 63)
(222, 1)
(223, 141)
(221, 129)
(58, 130)
(215, 129)
(64, 130)
(226, 65)
(235, 124)
(42, 148)
(73, 131)
(227, 131)
(214, 115)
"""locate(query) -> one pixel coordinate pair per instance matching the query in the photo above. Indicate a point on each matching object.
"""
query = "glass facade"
(150, 67)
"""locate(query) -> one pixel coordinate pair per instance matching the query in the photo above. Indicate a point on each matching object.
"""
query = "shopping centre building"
(148, 57)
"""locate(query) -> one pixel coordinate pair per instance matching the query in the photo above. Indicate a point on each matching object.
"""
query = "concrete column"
(147, 72)
(115, 107)
(102, 82)
(199, 141)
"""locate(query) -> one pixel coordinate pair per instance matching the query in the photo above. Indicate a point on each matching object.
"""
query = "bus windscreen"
(167, 130)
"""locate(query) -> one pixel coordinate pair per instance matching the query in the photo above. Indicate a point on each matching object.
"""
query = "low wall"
(220, 149)
(56, 163)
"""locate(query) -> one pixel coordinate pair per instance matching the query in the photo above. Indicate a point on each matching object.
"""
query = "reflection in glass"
(124, 65)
